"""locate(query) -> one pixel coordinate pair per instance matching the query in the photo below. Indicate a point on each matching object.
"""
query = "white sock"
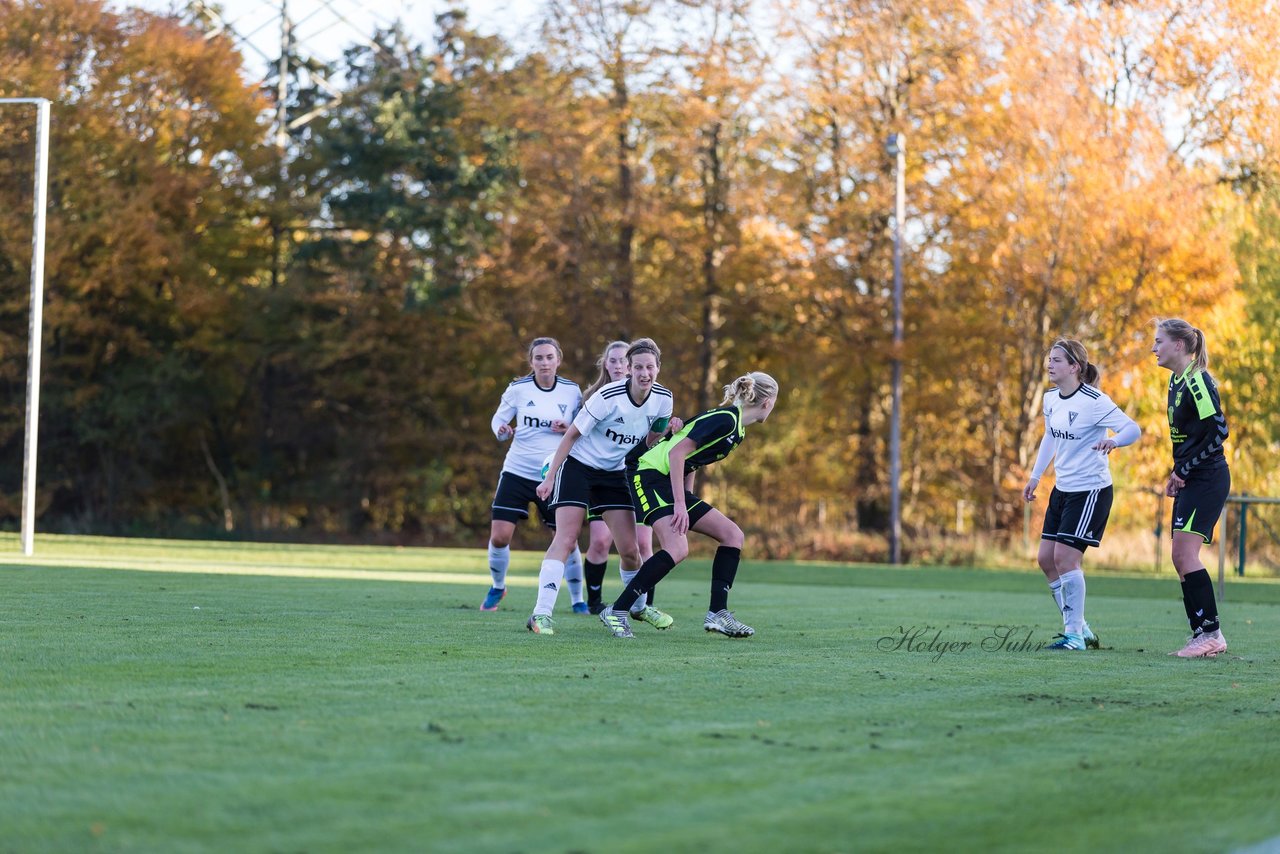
(499, 560)
(1055, 587)
(627, 575)
(549, 578)
(573, 576)
(1073, 601)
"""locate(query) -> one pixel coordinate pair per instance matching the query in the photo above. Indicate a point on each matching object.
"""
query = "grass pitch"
(322, 699)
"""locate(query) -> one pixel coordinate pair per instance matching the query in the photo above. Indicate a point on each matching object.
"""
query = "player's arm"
(1210, 432)
(676, 457)
(1125, 428)
(1043, 456)
(500, 424)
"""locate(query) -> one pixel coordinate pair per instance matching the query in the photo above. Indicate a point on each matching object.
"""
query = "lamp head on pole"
(896, 144)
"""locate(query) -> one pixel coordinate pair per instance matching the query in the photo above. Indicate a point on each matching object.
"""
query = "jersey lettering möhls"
(1074, 424)
(533, 409)
(612, 423)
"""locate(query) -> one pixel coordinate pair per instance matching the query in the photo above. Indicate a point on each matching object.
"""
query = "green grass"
(181, 710)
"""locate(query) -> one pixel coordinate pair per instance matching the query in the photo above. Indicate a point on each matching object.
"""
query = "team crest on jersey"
(1177, 399)
(1071, 417)
(563, 407)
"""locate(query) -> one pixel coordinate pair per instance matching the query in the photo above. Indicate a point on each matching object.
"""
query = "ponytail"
(750, 390)
(1192, 341)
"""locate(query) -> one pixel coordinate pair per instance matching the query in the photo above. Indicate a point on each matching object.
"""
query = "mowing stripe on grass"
(202, 568)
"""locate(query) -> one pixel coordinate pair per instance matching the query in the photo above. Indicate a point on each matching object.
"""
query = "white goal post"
(37, 320)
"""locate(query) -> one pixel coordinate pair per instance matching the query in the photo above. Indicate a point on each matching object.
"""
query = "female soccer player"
(1200, 481)
(613, 367)
(587, 473)
(659, 488)
(542, 405)
(1077, 416)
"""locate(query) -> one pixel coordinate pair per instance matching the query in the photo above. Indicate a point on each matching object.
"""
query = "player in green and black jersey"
(1200, 481)
(659, 483)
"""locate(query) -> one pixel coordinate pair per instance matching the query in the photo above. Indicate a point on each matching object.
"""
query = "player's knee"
(500, 539)
(630, 556)
(733, 537)
(679, 550)
(1065, 563)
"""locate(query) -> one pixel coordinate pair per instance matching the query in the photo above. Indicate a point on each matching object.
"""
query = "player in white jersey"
(541, 405)
(1077, 416)
(587, 472)
(613, 367)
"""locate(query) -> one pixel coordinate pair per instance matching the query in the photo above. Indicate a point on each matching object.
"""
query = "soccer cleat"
(617, 623)
(654, 617)
(492, 598)
(595, 607)
(1090, 639)
(1067, 642)
(1206, 645)
(724, 623)
(581, 608)
(540, 624)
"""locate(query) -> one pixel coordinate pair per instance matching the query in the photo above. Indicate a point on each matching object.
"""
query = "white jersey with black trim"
(612, 423)
(1073, 424)
(534, 408)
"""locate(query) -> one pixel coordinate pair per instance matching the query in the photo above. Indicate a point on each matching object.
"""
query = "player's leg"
(597, 561)
(569, 521)
(1197, 509)
(1067, 561)
(644, 539)
(724, 569)
(500, 534)
(1048, 539)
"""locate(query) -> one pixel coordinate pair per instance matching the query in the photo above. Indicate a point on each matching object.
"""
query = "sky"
(326, 27)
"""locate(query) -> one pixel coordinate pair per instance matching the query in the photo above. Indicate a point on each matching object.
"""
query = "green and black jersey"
(714, 433)
(1197, 425)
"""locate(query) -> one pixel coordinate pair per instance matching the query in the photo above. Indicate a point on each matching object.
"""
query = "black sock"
(1188, 604)
(593, 574)
(648, 597)
(654, 570)
(1200, 586)
(723, 570)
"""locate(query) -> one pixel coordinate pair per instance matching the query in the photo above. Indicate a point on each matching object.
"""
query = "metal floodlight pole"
(37, 321)
(896, 147)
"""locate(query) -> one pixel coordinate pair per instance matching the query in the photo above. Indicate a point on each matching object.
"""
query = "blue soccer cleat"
(492, 598)
(1065, 642)
(581, 608)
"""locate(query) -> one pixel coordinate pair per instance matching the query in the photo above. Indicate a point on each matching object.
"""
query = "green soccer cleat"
(617, 623)
(1090, 639)
(540, 624)
(654, 617)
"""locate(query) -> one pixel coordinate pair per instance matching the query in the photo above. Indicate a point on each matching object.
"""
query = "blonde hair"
(604, 371)
(1192, 339)
(644, 345)
(750, 389)
(1077, 355)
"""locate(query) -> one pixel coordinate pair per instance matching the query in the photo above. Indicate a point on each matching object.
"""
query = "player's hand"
(505, 432)
(680, 521)
(1105, 447)
(543, 489)
(1173, 485)
(675, 425)
(1029, 491)
(559, 426)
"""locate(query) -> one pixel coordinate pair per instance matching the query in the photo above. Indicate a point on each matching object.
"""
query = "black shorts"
(512, 499)
(1198, 505)
(1077, 519)
(654, 500)
(580, 485)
